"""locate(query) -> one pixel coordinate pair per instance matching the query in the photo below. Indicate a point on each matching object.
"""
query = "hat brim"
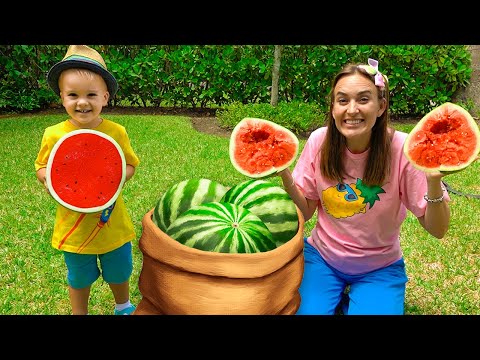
(55, 71)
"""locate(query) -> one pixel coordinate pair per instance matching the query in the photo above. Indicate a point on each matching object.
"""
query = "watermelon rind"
(221, 227)
(183, 195)
(271, 203)
(259, 148)
(56, 194)
(447, 140)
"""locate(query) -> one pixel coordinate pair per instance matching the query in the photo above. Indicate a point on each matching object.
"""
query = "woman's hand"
(434, 176)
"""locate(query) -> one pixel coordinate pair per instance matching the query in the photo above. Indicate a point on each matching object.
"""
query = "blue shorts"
(379, 292)
(83, 269)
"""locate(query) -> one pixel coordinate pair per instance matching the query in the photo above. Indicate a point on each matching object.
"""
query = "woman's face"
(356, 107)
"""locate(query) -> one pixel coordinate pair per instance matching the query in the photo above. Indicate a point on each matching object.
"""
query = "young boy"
(85, 85)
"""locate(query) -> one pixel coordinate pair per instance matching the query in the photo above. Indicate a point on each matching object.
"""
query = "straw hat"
(82, 56)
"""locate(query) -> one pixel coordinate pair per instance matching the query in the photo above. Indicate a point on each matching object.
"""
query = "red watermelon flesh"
(259, 147)
(86, 171)
(447, 139)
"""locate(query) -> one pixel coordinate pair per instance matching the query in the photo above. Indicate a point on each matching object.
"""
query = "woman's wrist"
(435, 199)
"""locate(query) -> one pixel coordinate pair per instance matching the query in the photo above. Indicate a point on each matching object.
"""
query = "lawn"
(443, 274)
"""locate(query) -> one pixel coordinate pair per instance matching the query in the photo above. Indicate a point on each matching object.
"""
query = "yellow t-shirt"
(82, 232)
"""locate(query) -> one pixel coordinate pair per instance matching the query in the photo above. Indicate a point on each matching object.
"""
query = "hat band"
(83, 58)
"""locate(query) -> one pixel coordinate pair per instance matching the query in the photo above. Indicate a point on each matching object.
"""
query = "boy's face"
(84, 94)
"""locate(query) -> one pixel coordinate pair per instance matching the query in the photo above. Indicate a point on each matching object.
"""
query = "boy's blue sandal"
(126, 311)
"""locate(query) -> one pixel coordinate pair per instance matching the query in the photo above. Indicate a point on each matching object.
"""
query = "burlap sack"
(178, 280)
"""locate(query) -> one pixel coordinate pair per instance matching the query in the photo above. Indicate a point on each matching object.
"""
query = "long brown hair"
(334, 145)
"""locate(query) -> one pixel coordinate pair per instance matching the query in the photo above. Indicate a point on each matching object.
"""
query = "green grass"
(444, 274)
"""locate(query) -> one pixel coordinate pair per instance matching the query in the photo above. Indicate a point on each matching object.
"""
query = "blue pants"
(379, 292)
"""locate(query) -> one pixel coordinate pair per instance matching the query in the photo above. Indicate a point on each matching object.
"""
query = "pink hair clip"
(372, 68)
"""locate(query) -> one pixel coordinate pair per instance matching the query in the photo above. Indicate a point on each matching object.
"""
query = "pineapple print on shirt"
(345, 200)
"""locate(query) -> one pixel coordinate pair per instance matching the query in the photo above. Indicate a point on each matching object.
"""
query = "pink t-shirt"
(358, 227)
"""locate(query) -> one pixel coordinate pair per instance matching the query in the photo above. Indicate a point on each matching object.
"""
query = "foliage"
(214, 76)
(22, 72)
(297, 116)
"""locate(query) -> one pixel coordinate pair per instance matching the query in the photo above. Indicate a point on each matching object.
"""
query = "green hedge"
(215, 76)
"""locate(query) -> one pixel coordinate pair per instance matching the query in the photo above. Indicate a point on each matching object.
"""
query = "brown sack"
(177, 279)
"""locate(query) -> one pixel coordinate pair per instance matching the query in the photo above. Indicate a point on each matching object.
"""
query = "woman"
(354, 174)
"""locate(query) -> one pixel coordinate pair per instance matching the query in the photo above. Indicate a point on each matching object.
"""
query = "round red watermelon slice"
(86, 171)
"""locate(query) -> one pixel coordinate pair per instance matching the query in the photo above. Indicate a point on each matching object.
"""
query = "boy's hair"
(84, 57)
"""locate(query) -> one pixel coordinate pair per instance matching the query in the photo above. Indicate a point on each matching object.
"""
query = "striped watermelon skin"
(221, 227)
(271, 203)
(182, 196)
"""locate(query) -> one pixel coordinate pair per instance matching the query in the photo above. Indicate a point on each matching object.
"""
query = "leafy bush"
(210, 76)
(297, 116)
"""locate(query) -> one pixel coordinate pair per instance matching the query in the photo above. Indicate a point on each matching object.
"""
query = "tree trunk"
(276, 74)
(472, 91)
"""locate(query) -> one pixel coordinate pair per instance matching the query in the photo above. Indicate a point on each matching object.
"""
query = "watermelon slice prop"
(447, 139)
(259, 148)
(86, 171)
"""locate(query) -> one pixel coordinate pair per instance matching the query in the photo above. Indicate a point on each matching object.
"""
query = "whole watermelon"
(271, 203)
(221, 227)
(182, 196)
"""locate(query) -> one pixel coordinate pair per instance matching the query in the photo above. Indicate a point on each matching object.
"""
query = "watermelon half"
(86, 171)
(447, 139)
(259, 148)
